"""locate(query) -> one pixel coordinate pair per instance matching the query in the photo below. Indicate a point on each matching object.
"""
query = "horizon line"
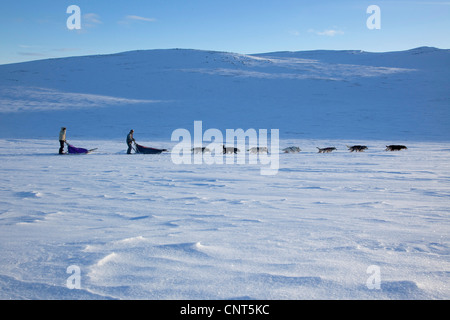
(221, 51)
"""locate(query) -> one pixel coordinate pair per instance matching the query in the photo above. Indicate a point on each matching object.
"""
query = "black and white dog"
(230, 149)
(326, 150)
(291, 150)
(357, 148)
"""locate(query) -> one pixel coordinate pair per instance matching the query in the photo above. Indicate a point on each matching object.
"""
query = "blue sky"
(31, 30)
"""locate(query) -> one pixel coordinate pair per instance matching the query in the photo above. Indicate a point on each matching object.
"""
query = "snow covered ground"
(326, 226)
(141, 227)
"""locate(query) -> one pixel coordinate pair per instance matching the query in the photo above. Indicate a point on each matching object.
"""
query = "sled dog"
(395, 147)
(230, 149)
(326, 150)
(291, 150)
(258, 150)
(357, 148)
(200, 150)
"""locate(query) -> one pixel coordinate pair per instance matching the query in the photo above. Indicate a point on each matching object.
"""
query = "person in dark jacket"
(130, 140)
(62, 139)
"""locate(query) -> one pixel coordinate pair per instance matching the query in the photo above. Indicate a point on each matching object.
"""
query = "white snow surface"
(142, 227)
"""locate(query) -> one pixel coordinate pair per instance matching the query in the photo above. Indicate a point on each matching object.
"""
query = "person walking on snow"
(62, 139)
(130, 140)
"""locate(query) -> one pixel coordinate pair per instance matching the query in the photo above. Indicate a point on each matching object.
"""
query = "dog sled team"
(254, 150)
(359, 148)
(226, 150)
(231, 150)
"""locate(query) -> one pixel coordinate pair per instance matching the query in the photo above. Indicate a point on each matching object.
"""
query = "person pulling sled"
(62, 140)
(130, 141)
(139, 148)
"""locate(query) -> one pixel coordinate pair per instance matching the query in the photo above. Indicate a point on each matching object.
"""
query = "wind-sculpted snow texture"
(140, 227)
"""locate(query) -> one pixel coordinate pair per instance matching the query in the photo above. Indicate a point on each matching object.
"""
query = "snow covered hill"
(314, 94)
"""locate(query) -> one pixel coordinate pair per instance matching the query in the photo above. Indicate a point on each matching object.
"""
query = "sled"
(147, 150)
(74, 150)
